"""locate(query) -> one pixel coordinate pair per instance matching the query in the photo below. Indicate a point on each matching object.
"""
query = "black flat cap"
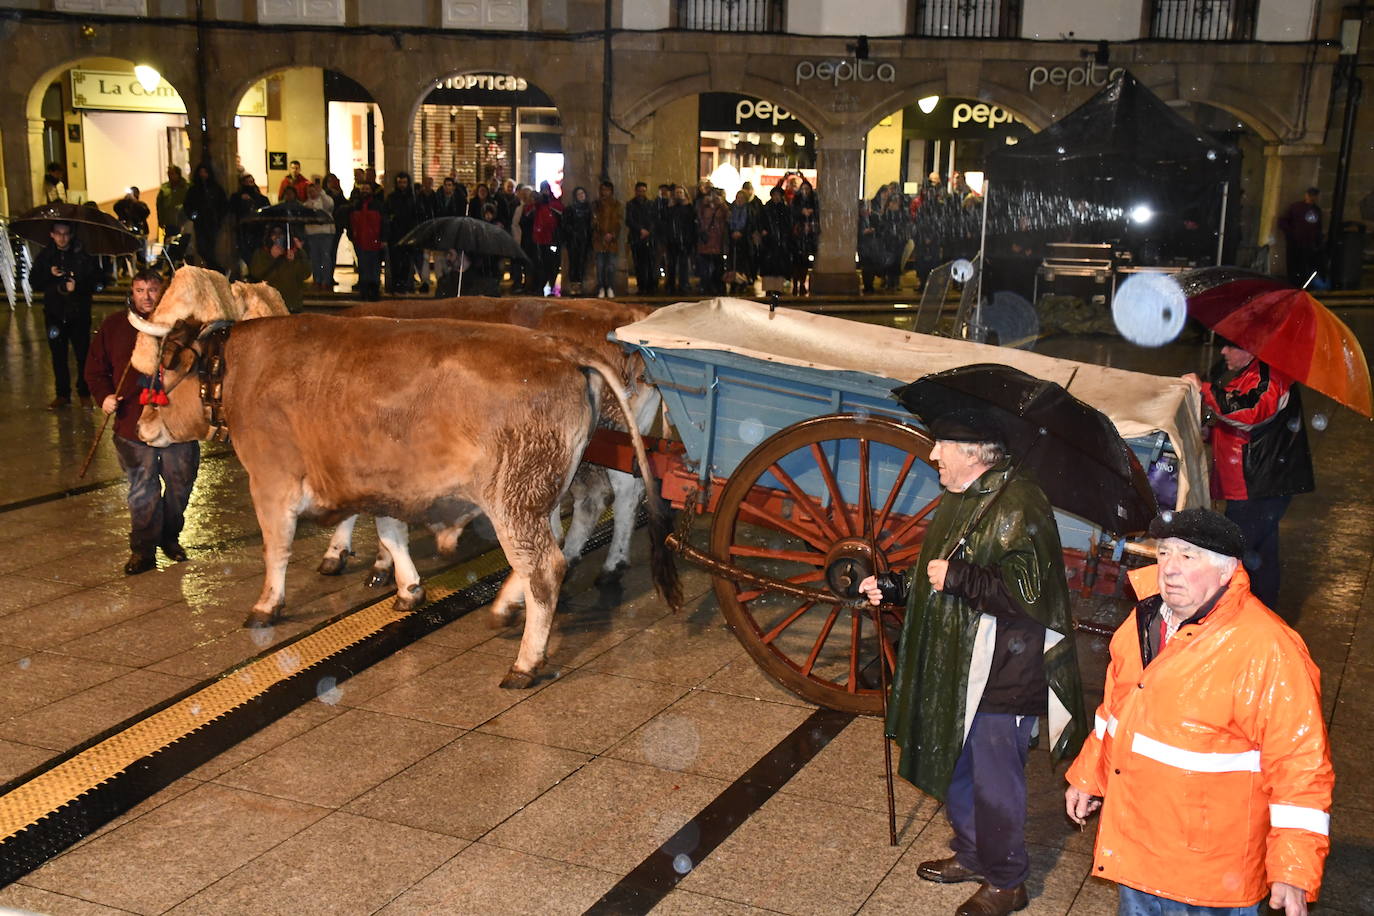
(968, 424)
(1201, 528)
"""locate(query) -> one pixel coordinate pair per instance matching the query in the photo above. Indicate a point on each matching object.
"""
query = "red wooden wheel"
(820, 504)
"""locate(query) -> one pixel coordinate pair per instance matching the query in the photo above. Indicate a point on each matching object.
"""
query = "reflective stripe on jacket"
(1212, 761)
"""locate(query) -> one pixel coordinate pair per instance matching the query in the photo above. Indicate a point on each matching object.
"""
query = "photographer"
(67, 276)
(282, 265)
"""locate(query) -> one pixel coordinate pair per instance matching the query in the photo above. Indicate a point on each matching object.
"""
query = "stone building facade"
(1279, 90)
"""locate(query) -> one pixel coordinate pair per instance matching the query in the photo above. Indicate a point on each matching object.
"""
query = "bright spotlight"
(927, 104)
(1141, 213)
(148, 77)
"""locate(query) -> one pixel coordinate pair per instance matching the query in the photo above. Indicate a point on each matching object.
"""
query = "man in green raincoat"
(986, 649)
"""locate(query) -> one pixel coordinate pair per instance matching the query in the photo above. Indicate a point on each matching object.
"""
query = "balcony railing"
(731, 15)
(1203, 20)
(968, 18)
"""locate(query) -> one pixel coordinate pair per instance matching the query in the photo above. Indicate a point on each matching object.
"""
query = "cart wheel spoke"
(837, 505)
(815, 512)
(820, 640)
(897, 485)
(803, 579)
(786, 622)
(814, 538)
(768, 553)
(909, 526)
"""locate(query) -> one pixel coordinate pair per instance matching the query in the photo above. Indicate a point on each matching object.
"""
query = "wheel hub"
(848, 562)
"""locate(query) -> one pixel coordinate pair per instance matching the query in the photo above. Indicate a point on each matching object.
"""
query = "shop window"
(731, 15)
(968, 19)
(1203, 20)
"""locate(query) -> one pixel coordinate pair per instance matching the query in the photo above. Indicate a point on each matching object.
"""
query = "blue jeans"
(605, 270)
(986, 801)
(1131, 902)
(160, 482)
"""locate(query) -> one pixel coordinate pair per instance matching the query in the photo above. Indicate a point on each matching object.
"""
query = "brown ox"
(586, 322)
(406, 420)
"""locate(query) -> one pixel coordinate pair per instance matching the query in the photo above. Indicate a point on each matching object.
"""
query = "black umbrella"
(287, 214)
(97, 231)
(1072, 450)
(464, 234)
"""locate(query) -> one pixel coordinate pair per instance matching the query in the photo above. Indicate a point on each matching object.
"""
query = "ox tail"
(662, 566)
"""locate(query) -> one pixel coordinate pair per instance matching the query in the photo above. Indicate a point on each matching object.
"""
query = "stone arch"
(1035, 115)
(762, 87)
(1245, 106)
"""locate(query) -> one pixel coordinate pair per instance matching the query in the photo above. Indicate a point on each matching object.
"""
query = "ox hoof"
(333, 566)
(517, 680)
(380, 578)
(259, 619)
(411, 599)
(612, 576)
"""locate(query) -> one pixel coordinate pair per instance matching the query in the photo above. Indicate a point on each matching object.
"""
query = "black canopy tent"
(1125, 151)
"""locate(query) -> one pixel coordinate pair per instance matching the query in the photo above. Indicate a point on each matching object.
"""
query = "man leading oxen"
(410, 420)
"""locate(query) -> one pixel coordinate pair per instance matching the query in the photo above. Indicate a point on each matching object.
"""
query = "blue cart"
(815, 476)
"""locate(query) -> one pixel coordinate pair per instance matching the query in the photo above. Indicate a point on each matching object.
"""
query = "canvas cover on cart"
(1138, 404)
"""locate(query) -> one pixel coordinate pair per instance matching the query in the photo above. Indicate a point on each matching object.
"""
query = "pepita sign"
(987, 115)
(845, 71)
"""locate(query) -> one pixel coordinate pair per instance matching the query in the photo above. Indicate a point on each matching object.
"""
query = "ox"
(586, 322)
(415, 420)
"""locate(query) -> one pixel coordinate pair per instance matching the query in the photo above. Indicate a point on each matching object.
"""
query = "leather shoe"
(947, 871)
(994, 901)
(175, 552)
(59, 403)
(139, 563)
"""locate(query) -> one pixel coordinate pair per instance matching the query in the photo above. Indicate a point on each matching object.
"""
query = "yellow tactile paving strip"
(47, 792)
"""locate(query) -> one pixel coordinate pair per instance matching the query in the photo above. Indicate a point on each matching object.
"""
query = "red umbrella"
(1286, 328)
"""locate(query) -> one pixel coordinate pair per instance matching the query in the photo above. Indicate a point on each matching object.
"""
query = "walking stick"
(100, 434)
(887, 745)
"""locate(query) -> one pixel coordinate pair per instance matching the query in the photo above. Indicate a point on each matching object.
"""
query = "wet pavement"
(420, 786)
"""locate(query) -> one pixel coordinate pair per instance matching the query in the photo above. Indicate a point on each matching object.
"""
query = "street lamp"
(147, 77)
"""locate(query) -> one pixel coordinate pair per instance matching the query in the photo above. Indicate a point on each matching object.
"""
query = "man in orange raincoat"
(1209, 759)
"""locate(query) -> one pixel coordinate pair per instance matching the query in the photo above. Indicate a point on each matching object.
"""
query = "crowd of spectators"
(683, 240)
(898, 232)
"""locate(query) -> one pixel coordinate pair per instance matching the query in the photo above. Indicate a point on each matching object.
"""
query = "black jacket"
(59, 306)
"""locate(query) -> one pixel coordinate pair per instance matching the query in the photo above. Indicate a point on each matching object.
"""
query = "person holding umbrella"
(986, 648)
(1260, 457)
(67, 275)
(282, 264)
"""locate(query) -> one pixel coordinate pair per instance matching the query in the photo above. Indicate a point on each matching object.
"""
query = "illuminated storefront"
(749, 139)
(937, 134)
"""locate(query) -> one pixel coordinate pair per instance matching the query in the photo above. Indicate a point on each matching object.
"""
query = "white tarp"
(1139, 404)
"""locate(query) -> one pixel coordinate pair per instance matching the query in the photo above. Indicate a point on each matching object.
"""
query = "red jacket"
(111, 349)
(1259, 443)
(1212, 760)
(365, 226)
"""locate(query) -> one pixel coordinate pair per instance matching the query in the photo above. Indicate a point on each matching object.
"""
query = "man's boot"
(994, 901)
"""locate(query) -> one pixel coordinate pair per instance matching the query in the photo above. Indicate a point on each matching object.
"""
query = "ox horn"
(146, 326)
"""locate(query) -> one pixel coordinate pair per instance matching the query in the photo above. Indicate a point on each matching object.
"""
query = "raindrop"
(24, 664)
(682, 864)
(1167, 515)
(54, 332)
(262, 636)
(1319, 421)
(751, 431)
(862, 414)
(327, 691)
(1149, 309)
(1294, 424)
(671, 743)
(195, 709)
